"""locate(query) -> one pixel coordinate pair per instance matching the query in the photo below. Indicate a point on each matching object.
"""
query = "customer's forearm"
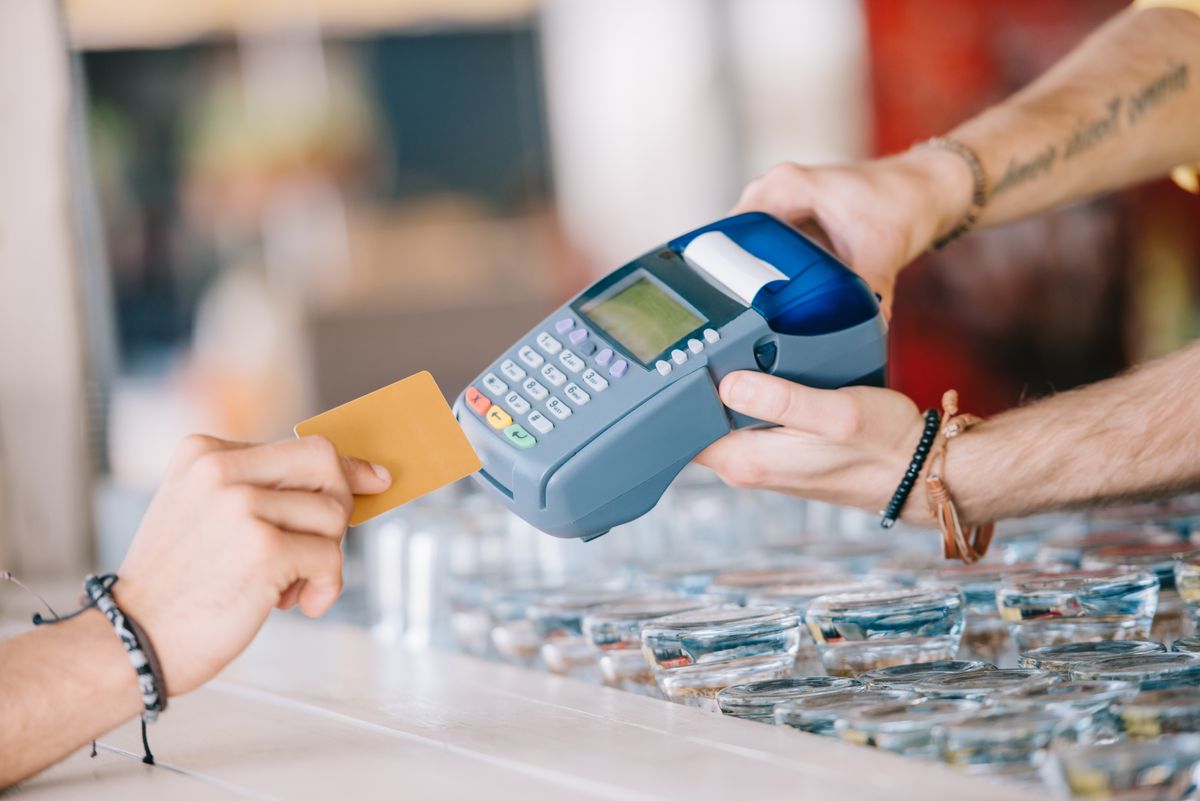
(60, 686)
(1122, 108)
(1131, 437)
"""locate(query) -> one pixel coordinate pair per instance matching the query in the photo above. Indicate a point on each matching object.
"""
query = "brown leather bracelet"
(971, 544)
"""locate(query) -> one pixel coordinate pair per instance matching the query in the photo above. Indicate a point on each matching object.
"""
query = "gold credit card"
(408, 428)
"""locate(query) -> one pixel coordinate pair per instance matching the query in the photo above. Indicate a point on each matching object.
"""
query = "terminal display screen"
(643, 316)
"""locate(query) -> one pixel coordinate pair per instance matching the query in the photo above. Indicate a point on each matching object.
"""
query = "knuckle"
(192, 447)
(846, 424)
(212, 468)
(336, 513)
(264, 542)
(325, 454)
(240, 500)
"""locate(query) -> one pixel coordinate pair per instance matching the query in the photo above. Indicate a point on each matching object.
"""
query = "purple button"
(618, 369)
(586, 348)
(564, 325)
(604, 357)
(578, 336)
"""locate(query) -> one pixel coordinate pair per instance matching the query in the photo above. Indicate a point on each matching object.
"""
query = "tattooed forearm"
(1100, 129)
(1172, 82)
(1019, 172)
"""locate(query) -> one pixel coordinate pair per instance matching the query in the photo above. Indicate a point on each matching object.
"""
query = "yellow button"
(498, 418)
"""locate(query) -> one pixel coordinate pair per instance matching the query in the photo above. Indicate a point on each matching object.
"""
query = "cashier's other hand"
(877, 216)
(848, 446)
(233, 531)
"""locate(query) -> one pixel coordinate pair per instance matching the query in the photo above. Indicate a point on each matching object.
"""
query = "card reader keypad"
(532, 405)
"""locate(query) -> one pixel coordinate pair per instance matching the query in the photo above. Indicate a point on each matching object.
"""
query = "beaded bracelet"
(932, 420)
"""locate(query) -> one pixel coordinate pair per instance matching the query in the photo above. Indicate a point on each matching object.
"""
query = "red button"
(477, 401)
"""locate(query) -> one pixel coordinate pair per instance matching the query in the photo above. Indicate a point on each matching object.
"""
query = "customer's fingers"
(318, 562)
(365, 478)
(308, 463)
(300, 511)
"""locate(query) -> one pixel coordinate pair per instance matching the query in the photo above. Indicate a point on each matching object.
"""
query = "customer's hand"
(848, 446)
(877, 215)
(233, 531)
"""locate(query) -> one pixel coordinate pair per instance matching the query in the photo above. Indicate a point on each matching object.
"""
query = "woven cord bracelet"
(932, 420)
(137, 646)
(151, 685)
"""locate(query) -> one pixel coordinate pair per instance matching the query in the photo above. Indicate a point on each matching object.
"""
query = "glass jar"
(1046, 609)
(904, 676)
(558, 622)
(1061, 658)
(983, 685)
(697, 654)
(864, 631)
(1157, 712)
(1004, 742)
(615, 634)
(1093, 703)
(797, 598)
(905, 728)
(757, 700)
(1146, 671)
(1173, 619)
(818, 714)
(1139, 770)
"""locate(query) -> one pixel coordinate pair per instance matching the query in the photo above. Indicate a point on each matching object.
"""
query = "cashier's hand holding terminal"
(1122, 108)
(234, 531)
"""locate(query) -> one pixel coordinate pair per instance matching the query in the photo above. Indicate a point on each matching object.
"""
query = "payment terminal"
(584, 422)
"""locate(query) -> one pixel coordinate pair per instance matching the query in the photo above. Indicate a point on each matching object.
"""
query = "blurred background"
(232, 215)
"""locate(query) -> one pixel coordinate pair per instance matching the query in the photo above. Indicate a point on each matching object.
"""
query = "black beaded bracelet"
(933, 418)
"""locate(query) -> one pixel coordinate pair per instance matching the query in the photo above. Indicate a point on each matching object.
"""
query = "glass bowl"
(983, 685)
(905, 728)
(1187, 645)
(818, 714)
(1157, 557)
(1146, 671)
(698, 653)
(1157, 712)
(1092, 703)
(863, 631)
(737, 585)
(1003, 741)
(1110, 604)
(1060, 658)
(1071, 548)
(757, 700)
(1139, 770)
(904, 676)
(797, 597)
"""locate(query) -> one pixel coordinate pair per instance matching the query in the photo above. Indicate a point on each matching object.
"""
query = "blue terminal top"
(822, 295)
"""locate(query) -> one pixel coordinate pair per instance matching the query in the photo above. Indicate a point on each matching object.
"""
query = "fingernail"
(381, 471)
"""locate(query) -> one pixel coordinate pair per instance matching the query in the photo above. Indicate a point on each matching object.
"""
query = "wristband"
(979, 190)
(932, 419)
(137, 645)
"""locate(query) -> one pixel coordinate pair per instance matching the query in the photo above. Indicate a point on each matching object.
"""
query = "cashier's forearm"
(61, 686)
(1134, 436)
(1123, 107)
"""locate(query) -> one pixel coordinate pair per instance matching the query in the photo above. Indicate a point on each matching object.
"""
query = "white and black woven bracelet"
(137, 646)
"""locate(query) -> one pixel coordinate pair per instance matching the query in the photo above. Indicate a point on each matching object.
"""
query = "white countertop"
(320, 711)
